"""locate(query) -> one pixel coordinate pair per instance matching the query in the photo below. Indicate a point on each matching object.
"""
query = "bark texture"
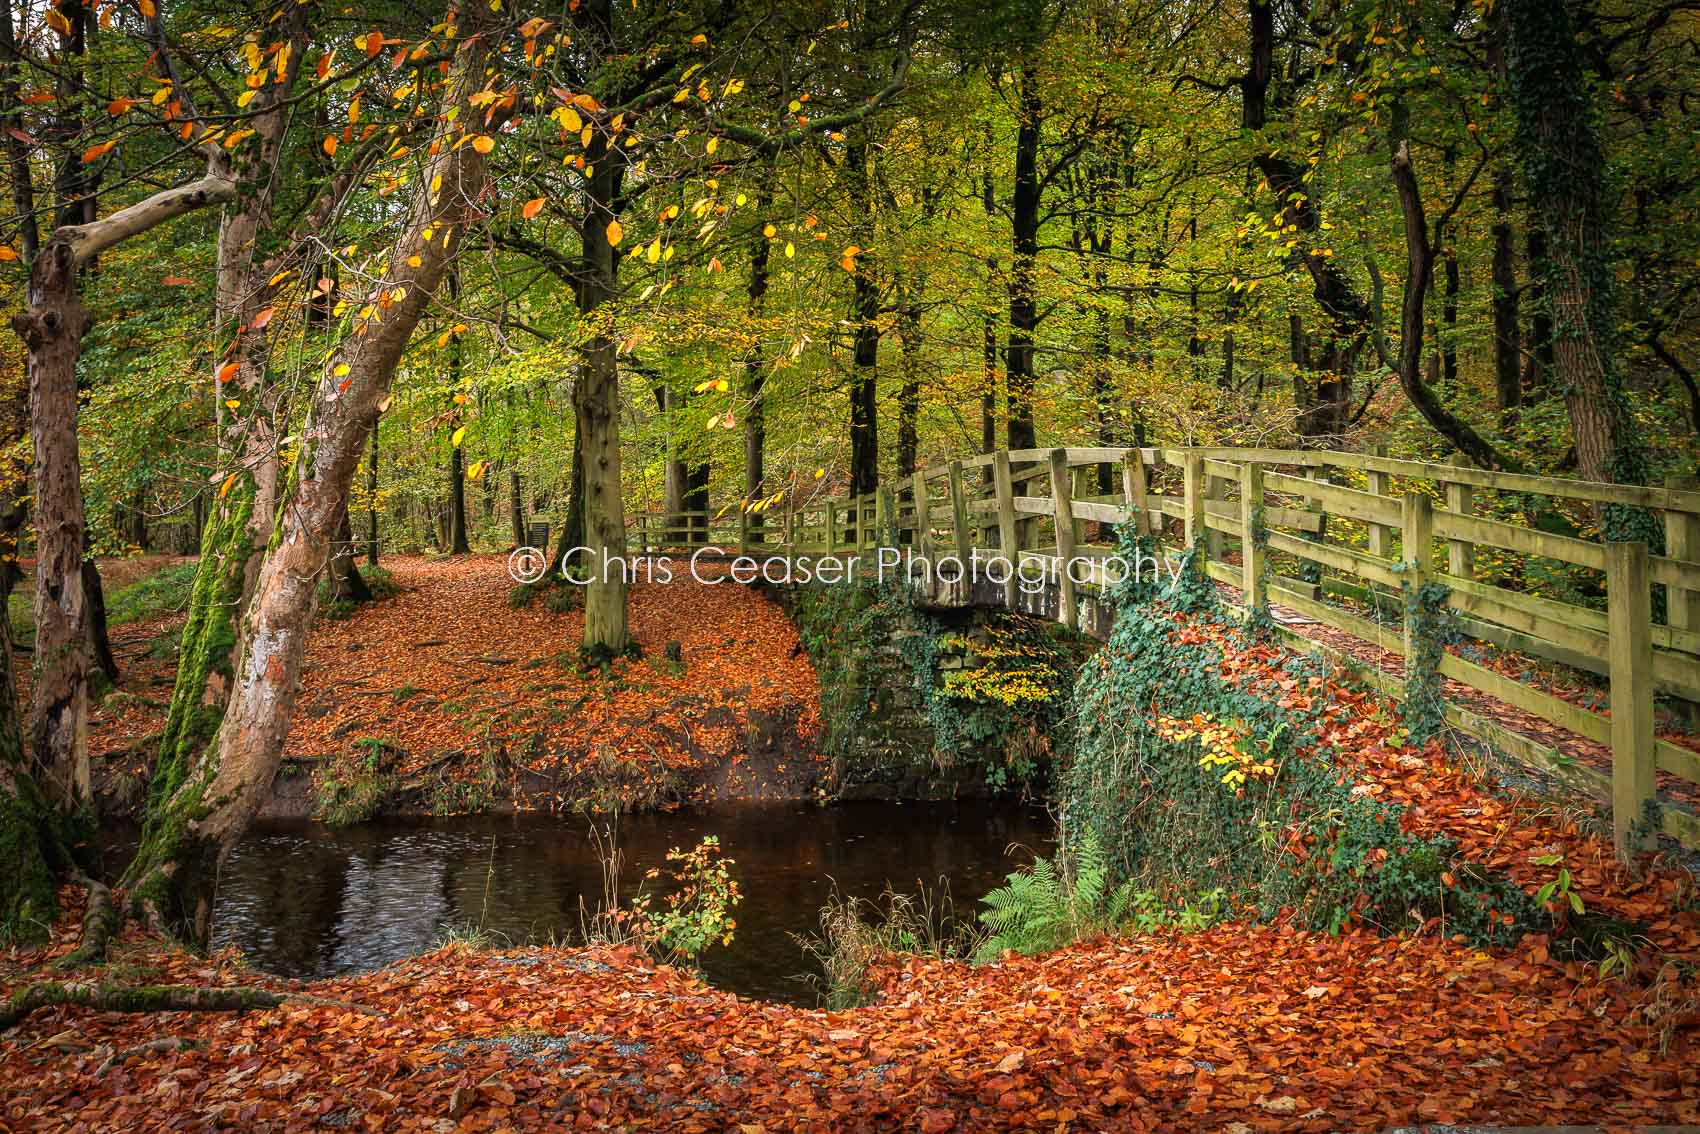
(217, 794)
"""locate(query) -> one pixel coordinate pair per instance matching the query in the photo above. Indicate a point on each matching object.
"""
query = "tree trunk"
(100, 641)
(372, 498)
(516, 507)
(457, 503)
(347, 584)
(1507, 325)
(864, 314)
(1023, 299)
(755, 380)
(52, 330)
(1537, 366)
(1564, 164)
(989, 343)
(213, 799)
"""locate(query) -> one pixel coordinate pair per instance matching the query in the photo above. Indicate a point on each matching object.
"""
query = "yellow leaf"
(246, 97)
(768, 230)
(653, 252)
(713, 144)
(484, 143)
(414, 261)
(384, 405)
(458, 437)
(790, 249)
(231, 403)
(341, 369)
(614, 233)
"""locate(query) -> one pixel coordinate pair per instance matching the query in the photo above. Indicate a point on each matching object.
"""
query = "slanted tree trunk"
(209, 802)
(245, 488)
(1420, 258)
(989, 340)
(100, 641)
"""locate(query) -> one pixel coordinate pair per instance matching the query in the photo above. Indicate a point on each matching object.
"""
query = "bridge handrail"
(1277, 501)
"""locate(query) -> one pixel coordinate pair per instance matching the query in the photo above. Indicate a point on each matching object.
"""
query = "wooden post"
(1062, 512)
(1629, 624)
(1009, 542)
(1215, 541)
(1380, 535)
(831, 527)
(1417, 535)
(1460, 554)
(884, 516)
(1682, 606)
(1082, 488)
(959, 515)
(1135, 492)
(790, 529)
(923, 516)
(1682, 541)
(1193, 487)
(743, 527)
(1253, 589)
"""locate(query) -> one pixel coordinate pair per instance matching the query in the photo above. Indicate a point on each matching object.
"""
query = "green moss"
(28, 894)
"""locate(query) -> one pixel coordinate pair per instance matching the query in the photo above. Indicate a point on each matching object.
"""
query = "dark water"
(307, 901)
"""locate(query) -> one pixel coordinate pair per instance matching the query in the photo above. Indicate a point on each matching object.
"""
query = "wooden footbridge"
(1330, 542)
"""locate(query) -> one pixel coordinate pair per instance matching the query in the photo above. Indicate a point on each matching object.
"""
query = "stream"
(305, 900)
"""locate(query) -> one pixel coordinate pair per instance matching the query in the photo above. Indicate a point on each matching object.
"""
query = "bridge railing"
(1306, 529)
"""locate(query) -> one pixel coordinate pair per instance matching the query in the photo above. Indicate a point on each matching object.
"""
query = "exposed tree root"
(101, 921)
(154, 998)
(169, 1043)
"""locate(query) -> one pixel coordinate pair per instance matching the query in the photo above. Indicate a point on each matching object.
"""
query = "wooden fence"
(1363, 527)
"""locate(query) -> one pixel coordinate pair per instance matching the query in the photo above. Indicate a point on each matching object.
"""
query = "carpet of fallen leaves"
(445, 671)
(1238, 1027)
(1241, 1027)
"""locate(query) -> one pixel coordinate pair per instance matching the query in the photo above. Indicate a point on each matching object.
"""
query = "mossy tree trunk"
(1564, 164)
(217, 794)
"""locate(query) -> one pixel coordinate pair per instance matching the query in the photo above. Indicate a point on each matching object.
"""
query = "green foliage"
(696, 911)
(1296, 841)
(1427, 614)
(999, 711)
(1054, 902)
(352, 787)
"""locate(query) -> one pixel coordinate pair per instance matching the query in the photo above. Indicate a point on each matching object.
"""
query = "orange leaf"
(96, 152)
(532, 207)
(261, 318)
(228, 371)
(330, 144)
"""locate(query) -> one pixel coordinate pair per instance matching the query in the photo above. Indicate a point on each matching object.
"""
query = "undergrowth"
(1241, 796)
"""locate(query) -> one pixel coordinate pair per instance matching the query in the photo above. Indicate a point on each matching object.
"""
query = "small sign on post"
(537, 535)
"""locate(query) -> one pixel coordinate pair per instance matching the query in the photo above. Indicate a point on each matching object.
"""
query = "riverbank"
(445, 699)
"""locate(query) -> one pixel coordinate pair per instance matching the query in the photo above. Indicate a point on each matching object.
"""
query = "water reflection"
(304, 900)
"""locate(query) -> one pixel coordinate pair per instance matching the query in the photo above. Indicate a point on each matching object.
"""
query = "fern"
(1043, 907)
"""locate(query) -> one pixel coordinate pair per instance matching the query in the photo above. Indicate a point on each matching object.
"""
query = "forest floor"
(445, 683)
(1239, 1027)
